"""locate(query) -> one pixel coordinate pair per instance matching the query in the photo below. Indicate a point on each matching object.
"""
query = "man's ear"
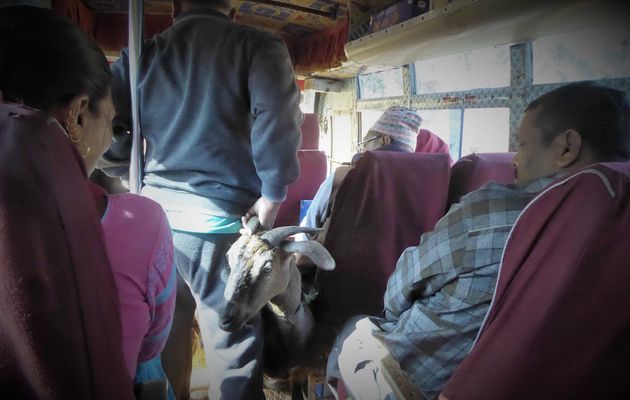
(568, 146)
(386, 139)
(232, 14)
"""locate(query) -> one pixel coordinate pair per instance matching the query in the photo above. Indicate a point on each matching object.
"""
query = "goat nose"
(228, 316)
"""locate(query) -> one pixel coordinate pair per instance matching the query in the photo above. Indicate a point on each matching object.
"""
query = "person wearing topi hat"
(395, 130)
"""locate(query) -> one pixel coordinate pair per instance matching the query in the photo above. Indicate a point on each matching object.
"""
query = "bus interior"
(469, 67)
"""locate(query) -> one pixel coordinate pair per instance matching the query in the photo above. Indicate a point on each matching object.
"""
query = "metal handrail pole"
(136, 24)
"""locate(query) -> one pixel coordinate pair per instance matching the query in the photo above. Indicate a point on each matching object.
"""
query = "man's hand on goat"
(265, 209)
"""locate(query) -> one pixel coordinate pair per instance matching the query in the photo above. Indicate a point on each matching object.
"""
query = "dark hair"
(601, 115)
(45, 60)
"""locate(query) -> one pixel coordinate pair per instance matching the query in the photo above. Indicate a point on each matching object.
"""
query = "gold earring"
(76, 137)
(74, 132)
(84, 149)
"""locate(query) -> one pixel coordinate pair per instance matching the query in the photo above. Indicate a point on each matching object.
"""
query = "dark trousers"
(177, 355)
(233, 358)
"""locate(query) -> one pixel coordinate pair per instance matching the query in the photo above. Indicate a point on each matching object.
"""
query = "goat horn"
(313, 250)
(253, 224)
(277, 235)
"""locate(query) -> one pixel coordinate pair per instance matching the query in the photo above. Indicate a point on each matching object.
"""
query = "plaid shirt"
(440, 292)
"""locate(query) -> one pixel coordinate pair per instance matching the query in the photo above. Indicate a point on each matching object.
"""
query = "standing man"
(220, 115)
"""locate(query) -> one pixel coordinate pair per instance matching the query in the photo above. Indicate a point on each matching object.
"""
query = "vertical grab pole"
(136, 24)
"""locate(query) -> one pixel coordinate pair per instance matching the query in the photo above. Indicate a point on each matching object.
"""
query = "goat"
(264, 278)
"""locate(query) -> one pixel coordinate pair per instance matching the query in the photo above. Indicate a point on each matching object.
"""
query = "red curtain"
(111, 30)
(310, 53)
(318, 51)
(76, 11)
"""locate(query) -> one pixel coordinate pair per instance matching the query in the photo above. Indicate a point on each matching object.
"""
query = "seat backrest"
(382, 207)
(310, 132)
(429, 142)
(560, 317)
(312, 174)
(474, 170)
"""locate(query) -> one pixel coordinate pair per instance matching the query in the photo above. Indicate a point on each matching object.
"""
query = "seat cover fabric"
(429, 142)
(559, 323)
(312, 174)
(60, 335)
(474, 170)
(310, 132)
(383, 206)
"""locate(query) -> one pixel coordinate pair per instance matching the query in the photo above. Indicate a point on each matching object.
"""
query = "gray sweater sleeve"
(274, 101)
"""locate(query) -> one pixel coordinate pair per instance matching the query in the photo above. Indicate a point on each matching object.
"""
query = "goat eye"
(267, 268)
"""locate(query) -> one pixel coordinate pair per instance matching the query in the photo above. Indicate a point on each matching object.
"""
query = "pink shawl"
(60, 335)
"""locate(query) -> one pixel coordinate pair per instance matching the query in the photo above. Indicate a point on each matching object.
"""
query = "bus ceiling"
(338, 39)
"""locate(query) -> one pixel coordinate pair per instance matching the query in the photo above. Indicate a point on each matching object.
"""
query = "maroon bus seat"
(310, 132)
(312, 174)
(559, 323)
(429, 142)
(474, 170)
(383, 206)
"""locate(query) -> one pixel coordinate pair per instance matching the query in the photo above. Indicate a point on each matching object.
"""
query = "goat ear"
(313, 250)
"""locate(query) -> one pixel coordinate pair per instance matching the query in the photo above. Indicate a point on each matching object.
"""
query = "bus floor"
(198, 378)
(199, 383)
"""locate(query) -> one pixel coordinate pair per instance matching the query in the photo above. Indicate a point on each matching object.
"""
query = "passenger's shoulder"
(257, 33)
(259, 39)
(491, 189)
(492, 192)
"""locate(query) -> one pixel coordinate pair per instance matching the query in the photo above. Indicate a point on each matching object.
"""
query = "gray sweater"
(219, 112)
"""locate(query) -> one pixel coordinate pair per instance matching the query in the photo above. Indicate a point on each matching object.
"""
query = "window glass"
(483, 68)
(368, 118)
(438, 122)
(342, 139)
(486, 130)
(602, 52)
(307, 101)
(388, 83)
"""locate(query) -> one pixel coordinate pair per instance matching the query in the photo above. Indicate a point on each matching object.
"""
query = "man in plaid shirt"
(441, 290)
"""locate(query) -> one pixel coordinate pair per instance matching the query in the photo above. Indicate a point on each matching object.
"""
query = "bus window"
(598, 53)
(483, 68)
(307, 102)
(368, 118)
(388, 83)
(438, 122)
(342, 140)
(485, 130)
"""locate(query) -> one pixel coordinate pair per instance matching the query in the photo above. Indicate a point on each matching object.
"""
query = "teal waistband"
(193, 221)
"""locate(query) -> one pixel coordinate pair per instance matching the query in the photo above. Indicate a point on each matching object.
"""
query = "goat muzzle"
(229, 318)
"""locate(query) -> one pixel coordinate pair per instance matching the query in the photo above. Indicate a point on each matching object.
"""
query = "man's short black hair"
(600, 114)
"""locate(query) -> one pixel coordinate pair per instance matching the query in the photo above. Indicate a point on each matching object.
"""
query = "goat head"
(262, 266)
